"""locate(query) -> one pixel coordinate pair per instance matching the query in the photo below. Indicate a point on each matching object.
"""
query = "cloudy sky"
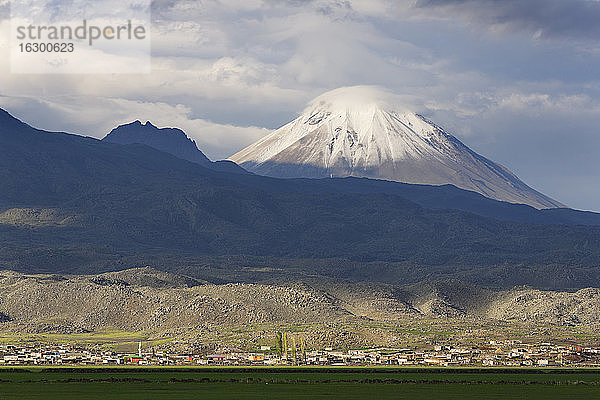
(517, 81)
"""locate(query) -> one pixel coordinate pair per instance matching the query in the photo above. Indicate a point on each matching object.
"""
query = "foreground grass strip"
(296, 383)
(287, 391)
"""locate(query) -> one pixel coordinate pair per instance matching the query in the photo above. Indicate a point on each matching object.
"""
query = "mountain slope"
(147, 299)
(170, 140)
(70, 203)
(352, 132)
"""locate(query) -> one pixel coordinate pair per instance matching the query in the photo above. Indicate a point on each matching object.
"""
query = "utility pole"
(285, 345)
(303, 348)
(279, 344)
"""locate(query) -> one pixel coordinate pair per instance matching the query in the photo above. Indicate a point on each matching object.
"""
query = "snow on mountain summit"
(362, 131)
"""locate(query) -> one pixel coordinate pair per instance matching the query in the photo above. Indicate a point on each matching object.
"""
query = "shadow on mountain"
(134, 206)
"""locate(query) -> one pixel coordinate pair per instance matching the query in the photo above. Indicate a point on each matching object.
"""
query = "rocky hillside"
(147, 299)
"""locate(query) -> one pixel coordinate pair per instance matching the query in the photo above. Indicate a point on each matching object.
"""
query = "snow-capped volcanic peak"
(363, 131)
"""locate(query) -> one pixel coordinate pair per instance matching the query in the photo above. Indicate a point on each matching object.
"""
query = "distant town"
(494, 354)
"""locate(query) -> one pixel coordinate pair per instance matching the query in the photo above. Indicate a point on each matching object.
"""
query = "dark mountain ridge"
(170, 140)
(106, 205)
(29, 143)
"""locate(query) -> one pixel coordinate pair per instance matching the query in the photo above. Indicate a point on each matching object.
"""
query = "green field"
(296, 383)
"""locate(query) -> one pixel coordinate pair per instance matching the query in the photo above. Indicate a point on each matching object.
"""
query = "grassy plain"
(407, 332)
(297, 383)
